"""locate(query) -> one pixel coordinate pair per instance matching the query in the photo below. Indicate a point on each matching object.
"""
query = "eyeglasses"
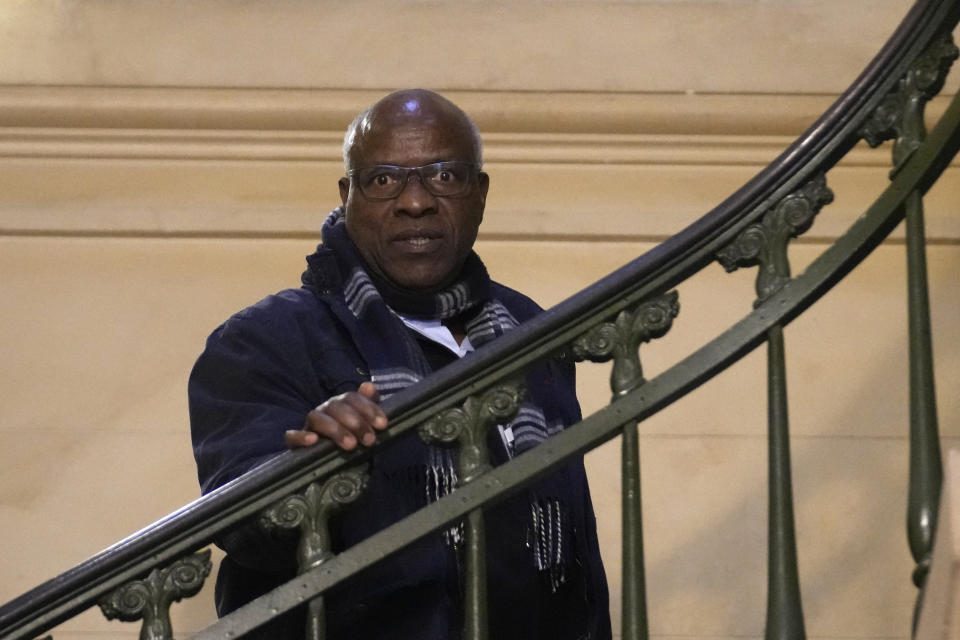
(443, 179)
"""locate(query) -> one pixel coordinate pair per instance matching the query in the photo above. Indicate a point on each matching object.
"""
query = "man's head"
(413, 228)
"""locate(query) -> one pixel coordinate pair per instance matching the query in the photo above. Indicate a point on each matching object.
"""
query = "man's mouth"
(418, 240)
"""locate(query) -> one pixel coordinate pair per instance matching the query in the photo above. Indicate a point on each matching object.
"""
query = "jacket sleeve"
(241, 403)
(260, 374)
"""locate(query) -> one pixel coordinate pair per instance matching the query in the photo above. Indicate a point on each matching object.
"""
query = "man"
(394, 293)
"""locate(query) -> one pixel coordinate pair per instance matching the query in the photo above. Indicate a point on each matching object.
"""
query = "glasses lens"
(447, 178)
(381, 181)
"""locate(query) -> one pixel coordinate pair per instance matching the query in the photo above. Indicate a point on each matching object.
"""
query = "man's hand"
(345, 419)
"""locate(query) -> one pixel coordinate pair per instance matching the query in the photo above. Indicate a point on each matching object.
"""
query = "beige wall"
(164, 164)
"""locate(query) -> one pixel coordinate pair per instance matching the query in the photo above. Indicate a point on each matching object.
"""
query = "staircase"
(608, 322)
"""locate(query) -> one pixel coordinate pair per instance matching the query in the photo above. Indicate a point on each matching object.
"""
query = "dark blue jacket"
(263, 370)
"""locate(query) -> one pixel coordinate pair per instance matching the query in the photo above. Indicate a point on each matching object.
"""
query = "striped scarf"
(396, 361)
(393, 355)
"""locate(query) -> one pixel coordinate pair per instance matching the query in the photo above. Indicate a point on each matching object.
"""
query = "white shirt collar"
(436, 331)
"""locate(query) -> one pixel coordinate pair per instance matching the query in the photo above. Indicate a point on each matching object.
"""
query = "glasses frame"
(473, 167)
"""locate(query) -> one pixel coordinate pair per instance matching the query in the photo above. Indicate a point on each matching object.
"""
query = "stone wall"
(164, 164)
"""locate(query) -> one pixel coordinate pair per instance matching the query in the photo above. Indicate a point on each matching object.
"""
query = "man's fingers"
(321, 422)
(347, 419)
(358, 415)
(296, 438)
(368, 390)
(367, 403)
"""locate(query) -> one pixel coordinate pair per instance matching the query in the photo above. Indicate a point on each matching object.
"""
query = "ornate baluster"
(620, 340)
(467, 426)
(149, 599)
(310, 512)
(900, 117)
(765, 244)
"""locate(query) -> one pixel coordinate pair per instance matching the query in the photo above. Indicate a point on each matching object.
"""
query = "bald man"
(394, 293)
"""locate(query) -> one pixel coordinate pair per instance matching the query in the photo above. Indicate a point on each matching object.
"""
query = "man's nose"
(415, 200)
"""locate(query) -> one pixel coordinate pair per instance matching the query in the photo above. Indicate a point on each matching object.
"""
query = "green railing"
(139, 577)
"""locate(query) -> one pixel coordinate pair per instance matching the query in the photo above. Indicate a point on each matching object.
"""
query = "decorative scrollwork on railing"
(765, 243)
(310, 512)
(620, 339)
(468, 425)
(149, 599)
(900, 115)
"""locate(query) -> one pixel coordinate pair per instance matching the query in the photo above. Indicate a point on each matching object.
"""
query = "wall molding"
(250, 162)
(319, 110)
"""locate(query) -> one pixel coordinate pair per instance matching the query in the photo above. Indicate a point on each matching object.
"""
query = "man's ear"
(483, 183)
(344, 184)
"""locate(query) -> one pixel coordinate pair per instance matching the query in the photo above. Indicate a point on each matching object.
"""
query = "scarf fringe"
(441, 480)
(545, 539)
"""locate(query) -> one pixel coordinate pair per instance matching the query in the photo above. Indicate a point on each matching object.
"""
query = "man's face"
(416, 240)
